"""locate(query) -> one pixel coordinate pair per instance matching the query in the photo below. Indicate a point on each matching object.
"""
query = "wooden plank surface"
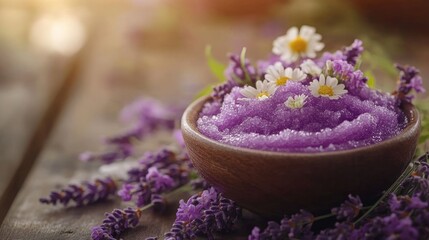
(170, 72)
(28, 82)
(163, 62)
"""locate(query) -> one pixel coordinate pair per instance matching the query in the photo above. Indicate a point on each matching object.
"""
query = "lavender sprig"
(121, 151)
(175, 164)
(238, 73)
(203, 215)
(158, 173)
(296, 227)
(148, 189)
(353, 52)
(350, 54)
(84, 194)
(409, 80)
(348, 210)
(115, 223)
(346, 73)
(148, 116)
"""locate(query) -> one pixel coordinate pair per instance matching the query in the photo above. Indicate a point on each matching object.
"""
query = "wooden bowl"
(276, 183)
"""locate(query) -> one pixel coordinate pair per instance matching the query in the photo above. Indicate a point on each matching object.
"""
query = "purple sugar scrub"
(300, 103)
(320, 125)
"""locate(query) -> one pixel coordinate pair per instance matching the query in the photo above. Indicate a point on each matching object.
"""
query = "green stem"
(186, 187)
(146, 207)
(331, 214)
(243, 66)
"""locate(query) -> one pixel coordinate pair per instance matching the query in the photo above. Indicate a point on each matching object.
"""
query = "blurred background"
(72, 64)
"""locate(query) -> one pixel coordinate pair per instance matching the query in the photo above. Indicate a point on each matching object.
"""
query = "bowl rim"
(412, 126)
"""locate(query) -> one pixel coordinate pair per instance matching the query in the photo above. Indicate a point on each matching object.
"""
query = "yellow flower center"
(298, 44)
(281, 81)
(263, 94)
(326, 90)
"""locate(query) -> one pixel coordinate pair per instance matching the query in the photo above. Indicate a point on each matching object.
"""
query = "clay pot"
(275, 183)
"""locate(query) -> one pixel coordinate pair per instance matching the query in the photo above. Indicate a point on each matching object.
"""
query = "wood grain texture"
(26, 90)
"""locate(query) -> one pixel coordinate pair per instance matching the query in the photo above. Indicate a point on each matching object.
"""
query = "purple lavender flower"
(203, 215)
(236, 75)
(177, 165)
(120, 152)
(116, 223)
(418, 182)
(255, 234)
(235, 71)
(353, 52)
(344, 72)
(159, 182)
(409, 79)
(327, 56)
(223, 89)
(273, 231)
(147, 115)
(87, 193)
(349, 54)
(349, 209)
(298, 226)
(389, 227)
(341, 231)
(154, 183)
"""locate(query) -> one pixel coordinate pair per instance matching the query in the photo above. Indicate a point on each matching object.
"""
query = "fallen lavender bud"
(148, 189)
(115, 223)
(148, 115)
(176, 165)
(120, 152)
(203, 215)
(348, 210)
(296, 227)
(84, 194)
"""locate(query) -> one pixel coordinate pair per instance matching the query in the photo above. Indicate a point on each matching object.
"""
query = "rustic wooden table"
(53, 106)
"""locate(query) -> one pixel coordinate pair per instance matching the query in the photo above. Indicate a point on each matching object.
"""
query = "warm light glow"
(61, 34)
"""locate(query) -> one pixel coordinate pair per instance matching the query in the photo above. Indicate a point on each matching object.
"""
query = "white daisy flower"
(278, 75)
(296, 101)
(328, 87)
(295, 44)
(263, 90)
(310, 67)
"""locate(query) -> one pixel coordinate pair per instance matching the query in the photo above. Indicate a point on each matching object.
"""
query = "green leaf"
(216, 67)
(371, 78)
